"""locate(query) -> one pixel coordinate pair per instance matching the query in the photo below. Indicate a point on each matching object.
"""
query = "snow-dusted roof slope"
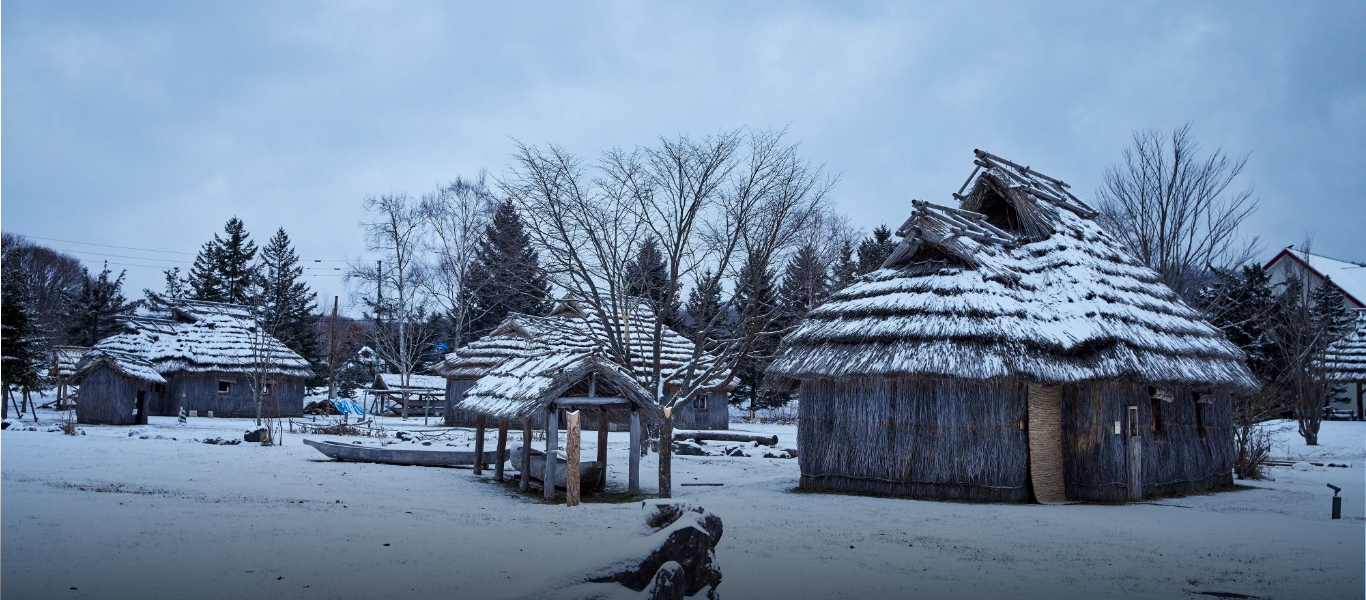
(65, 359)
(394, 381)
(1019, 280)
(205, 337)
(572, 328)
(130, 365)
(1349, 277)
(1345, 359)
(522, 386)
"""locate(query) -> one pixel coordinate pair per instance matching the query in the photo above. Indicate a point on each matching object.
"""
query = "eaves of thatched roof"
(523, 386)
(206, 337)
(1018, 281)
(129, 365)
(1344, 361)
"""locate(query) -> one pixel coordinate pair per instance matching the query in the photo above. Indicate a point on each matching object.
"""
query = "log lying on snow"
(725, 436)
(678, 560)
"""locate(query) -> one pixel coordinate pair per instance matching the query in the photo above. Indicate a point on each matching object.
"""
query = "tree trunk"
(573, 435)
(666, 457)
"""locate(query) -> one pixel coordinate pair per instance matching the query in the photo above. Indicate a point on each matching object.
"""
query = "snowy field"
(108, 515)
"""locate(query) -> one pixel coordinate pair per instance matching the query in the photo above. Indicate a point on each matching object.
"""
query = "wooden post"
(633, 473)
(479, 445)
(1361, 414)
(665, 457)
(524, 465)
(332, 352)
(573, 432)
(601, 483)
(552, 444)
(502, 450)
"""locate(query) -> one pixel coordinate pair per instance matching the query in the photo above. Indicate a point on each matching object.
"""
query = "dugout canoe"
(389, 455)
(589, 470)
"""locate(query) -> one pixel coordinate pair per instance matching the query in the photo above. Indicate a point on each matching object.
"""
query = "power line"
(97, 261)
(184, 262)
(106, 245)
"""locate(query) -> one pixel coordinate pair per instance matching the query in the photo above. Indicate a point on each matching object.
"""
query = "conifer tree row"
(223, 270)
(94, 313)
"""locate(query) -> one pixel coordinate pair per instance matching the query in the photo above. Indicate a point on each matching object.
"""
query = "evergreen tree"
(648, 277)
(874, 250)
(1331, 315)
(19, 361)
(223, 271)
(94, 313)
(805, 285)
(177, 288)
(755, 301)
(507, 275)
(1243, 305)
(704, 304)
(845, 268)
(287, 304)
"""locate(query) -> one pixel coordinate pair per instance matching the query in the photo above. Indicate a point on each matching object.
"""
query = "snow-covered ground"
(117, 516)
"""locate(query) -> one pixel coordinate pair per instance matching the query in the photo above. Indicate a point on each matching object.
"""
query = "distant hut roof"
(129, 365)
(1345, 360)
(572, 327)
(205, 337)
(1018, 281)
(394, 381)
(65, 359)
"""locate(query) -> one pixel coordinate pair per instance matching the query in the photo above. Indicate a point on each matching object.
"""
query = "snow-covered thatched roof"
(205, 337)
(572, 328)
(1019, 280)
(522, 386)
(1345, 359)
(130, 365)
(394, 381)
(65, 359)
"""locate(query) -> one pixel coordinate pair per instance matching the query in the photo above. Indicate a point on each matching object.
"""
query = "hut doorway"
(1045, 444)
(140, 407)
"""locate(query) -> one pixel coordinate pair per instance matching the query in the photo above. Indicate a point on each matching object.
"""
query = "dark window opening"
(699, 403)
(1199, 412)
(1000, 213)
(1157, 409)
(265, 388)
(225, 387)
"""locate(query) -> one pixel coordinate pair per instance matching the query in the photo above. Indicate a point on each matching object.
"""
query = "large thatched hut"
(1010, 350)
(574, 328)
(211, 357)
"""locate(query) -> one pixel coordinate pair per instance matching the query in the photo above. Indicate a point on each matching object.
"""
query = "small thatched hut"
(117, 387)
(1009, 350)
(210, 356)
(572, 328)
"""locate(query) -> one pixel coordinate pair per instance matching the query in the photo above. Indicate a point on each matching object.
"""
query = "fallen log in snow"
(725, 436)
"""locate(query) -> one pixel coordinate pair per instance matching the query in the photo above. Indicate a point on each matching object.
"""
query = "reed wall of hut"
(109, 398)
(199, 392)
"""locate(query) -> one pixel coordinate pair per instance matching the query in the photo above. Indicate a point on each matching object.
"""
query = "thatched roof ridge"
(204, 337)
(129, 365)
(1018, 281)
(1345, 360)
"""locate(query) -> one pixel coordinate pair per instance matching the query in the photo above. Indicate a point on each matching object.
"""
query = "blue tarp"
(347, 407)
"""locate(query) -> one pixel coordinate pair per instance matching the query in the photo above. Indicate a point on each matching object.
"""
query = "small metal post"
(1337, 501)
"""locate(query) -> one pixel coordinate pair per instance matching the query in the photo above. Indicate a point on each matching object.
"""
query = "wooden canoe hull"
(589, 470)
(399, 456)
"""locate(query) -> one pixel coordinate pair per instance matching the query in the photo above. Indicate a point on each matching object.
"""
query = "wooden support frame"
(552, 445)
(573, 435)
(501, 455)
(524, 466)
(603, 427)
(633, 476)
(479, 445)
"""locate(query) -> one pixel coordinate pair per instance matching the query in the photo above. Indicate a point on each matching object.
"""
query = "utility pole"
(332, 353)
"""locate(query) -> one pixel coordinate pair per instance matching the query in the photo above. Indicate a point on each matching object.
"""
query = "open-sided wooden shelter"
(1010, 350)
(209, 355)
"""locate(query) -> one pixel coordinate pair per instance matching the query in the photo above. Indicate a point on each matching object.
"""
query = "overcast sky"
(148, 125)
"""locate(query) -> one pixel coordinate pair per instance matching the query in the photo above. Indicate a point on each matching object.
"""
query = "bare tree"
(1173, 208)
(402, 329)
(706, 207)
(454, 217)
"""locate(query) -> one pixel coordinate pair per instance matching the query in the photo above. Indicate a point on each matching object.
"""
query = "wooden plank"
(525, 467)
(502, 450)
(603, 426)
(571, 445)
(552, 444)
(479, 445)
(633, 476)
